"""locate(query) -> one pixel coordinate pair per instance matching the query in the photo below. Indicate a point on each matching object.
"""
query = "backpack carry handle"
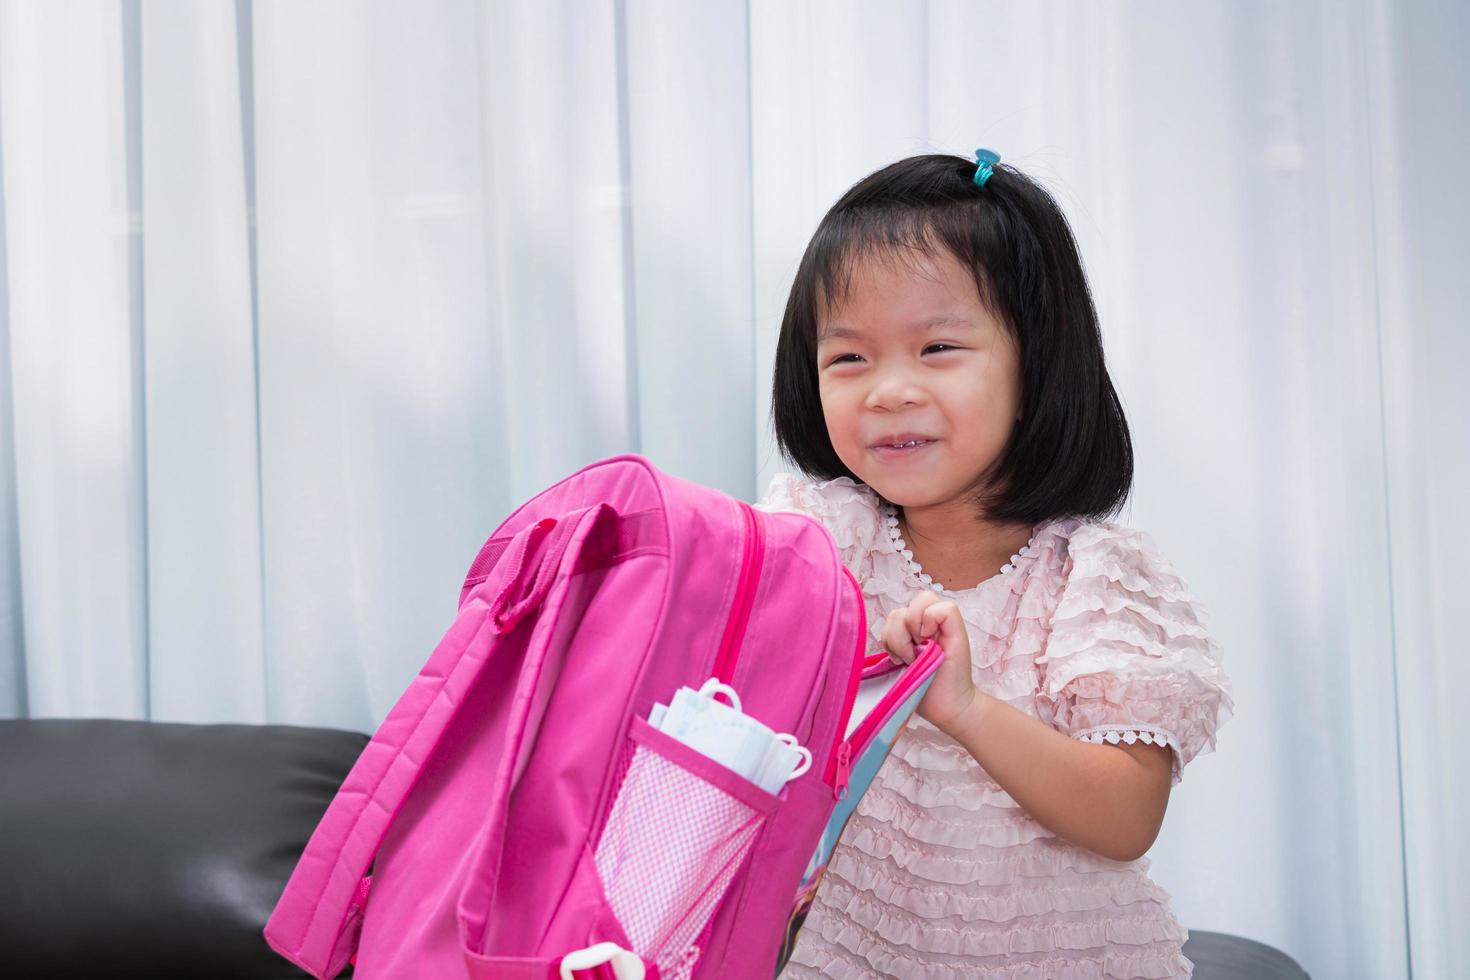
(507, 608)
(489, 559)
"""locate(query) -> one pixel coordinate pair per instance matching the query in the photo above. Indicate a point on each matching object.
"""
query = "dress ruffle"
(841, 505)
(940, 873)
(1129, 649)
(1123, 922)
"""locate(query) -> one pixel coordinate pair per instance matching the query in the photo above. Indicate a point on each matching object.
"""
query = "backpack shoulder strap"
(317, 920)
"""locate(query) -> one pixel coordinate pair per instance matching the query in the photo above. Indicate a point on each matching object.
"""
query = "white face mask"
(732, 738)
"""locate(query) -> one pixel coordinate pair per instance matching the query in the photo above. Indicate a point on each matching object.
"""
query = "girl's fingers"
(917, 619)
(941, 621)
(906, 629)
(896, 638)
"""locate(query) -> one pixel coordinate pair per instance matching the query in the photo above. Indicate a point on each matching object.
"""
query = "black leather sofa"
(148, 849)
(157, 850)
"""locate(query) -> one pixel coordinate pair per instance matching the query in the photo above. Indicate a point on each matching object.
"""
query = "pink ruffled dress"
(940, 873)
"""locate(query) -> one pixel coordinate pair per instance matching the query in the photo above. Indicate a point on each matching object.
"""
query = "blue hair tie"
(984, 160)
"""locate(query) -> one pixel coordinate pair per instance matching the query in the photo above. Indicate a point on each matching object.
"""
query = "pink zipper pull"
(844, 769)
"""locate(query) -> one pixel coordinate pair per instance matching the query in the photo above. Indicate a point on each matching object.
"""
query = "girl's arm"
(1107, 798)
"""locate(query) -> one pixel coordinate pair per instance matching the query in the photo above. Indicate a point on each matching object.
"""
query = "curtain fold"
(77, 539)
(300, 300)
(206, 654)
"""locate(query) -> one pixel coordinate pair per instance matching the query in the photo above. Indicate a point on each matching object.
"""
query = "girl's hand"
(930, 617)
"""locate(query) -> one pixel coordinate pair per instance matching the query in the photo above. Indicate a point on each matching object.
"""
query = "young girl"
(940, 378)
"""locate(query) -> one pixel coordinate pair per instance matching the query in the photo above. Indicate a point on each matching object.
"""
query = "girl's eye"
(844, 357)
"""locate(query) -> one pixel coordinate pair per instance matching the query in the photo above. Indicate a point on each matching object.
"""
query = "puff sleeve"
(1128, 657)
(846, 508)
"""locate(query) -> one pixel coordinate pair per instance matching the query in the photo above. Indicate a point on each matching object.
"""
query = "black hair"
(1070, 453)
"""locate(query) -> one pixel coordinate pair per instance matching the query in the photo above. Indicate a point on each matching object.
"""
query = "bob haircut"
(1070, 453)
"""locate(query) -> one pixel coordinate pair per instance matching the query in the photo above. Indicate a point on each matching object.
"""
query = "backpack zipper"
(838, 771)
(750, 567)
(839, 760)
(922, 666)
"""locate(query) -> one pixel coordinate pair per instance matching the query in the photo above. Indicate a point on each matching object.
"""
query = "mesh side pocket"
(625, 761)
(672, 845)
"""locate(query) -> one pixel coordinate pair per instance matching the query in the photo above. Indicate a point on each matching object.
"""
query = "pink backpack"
(522, 818)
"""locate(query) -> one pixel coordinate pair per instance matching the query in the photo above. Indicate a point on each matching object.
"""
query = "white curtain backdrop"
(301, 299)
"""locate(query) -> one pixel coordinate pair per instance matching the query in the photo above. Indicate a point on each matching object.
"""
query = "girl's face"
(912, 352)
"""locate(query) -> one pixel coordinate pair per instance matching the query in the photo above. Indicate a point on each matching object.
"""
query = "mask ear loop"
(801, 750)
(713, 686)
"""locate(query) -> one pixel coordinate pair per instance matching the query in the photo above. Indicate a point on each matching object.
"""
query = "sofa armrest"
(155, 849)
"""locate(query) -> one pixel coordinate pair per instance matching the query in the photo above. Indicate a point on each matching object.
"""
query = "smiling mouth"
(903, 449)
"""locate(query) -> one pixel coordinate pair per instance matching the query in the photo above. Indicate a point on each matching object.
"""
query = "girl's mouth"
(908, 449)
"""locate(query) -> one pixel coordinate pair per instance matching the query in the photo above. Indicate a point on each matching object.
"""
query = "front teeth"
(906, 445)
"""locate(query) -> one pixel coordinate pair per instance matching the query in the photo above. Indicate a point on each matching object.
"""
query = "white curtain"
(302, 299)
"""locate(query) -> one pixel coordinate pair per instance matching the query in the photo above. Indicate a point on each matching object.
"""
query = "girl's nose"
(894, 391)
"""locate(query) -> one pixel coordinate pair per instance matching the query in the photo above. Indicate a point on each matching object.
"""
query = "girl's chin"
(899, 490)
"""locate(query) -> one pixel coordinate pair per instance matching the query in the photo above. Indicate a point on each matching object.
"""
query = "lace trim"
(1113, 734)
(915, 571)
